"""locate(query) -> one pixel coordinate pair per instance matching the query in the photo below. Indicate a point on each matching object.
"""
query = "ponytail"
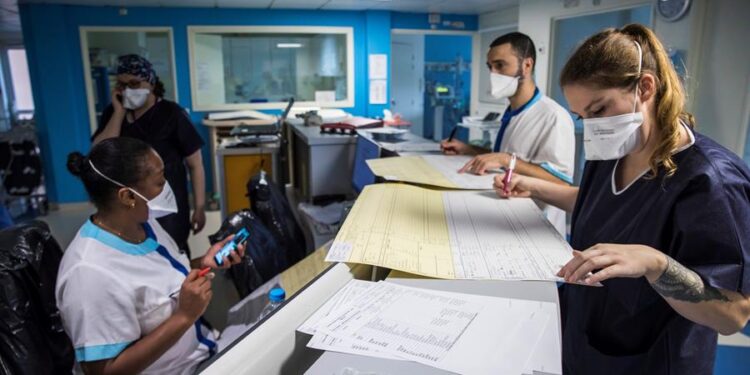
(609, 59)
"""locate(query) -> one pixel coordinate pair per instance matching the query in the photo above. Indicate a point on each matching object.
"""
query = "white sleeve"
(98, 312)
(556, 152)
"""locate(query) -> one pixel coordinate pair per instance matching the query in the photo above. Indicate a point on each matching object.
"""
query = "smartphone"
(239, 238)
(492, 116)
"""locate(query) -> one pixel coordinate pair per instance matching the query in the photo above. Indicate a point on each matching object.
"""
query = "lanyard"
(182, 269)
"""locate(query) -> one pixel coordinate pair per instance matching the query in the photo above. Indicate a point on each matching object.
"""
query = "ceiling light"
(289, 45)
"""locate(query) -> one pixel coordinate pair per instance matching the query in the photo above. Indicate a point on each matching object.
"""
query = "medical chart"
(433, 170)
(450, 235)
(456, 332)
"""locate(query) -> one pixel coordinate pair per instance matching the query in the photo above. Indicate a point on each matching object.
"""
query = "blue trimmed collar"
(535, 98)
(91, 230)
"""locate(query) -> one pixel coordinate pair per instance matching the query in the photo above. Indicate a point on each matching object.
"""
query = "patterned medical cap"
(137, 66)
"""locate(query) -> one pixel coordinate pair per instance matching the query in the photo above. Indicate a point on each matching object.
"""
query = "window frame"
(83, 37)
(347, 31)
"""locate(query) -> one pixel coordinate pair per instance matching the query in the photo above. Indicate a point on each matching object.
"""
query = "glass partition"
(102, 45)
(262, 67)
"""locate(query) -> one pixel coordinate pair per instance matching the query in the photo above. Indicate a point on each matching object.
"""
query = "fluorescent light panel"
(289, 45)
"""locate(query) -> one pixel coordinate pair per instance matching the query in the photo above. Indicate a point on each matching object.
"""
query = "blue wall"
(51, 36)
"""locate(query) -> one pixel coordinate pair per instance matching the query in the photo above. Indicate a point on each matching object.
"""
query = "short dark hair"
(121, 159)
(522, 46)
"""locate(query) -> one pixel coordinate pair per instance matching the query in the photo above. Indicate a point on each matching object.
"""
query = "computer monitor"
(365, 149)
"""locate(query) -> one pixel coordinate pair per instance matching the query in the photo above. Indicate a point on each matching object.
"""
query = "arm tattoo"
(680, 283)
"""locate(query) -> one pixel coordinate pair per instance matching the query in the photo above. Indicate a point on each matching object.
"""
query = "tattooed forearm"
(680, 283)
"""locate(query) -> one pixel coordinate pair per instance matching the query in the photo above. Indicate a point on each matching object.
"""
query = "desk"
(489, 131)
(321, 163)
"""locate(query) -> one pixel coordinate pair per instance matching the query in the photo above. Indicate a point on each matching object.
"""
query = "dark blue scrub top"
(701, 218)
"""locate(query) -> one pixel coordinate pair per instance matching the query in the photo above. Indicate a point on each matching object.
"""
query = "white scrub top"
(543, 134)
(111, 293)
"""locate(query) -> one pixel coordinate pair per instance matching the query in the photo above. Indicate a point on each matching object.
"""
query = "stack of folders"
(461, 333)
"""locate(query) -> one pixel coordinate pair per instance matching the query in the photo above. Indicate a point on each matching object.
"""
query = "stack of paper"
(411, 146)
(463, 333)
(433, 170)
(450, 235)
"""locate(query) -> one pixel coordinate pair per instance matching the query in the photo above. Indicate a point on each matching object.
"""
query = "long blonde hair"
(609, 59)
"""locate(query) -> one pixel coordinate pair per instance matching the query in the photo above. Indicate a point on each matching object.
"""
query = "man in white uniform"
(534, 127)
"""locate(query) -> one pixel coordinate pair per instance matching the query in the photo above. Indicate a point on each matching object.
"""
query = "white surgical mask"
(613, 137)
(161, 205)
(135, 98)
(502, 86)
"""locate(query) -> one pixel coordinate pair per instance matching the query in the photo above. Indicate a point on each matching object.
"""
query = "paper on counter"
(450, 235)
(322, 341)
(450, 331)
(433, 170)
(411, 146)
(353, 289)
(547, 356)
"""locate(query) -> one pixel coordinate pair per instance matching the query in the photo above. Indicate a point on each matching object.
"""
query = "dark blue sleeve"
(711, 232)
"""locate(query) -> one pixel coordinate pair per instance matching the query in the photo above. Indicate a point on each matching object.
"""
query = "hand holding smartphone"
(239, 238)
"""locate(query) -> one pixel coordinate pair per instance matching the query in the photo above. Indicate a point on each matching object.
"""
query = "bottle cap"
(276, 295)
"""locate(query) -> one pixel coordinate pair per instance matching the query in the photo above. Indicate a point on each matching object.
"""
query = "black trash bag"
(24, 173)
(268, 201)
(263, 258)
(32, 339)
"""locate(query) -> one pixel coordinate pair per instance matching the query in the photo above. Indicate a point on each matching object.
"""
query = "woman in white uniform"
(128, 299)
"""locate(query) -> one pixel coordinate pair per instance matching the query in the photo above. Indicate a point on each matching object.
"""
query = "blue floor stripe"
(733, 360)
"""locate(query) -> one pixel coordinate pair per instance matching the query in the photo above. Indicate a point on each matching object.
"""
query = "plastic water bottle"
(275, 299)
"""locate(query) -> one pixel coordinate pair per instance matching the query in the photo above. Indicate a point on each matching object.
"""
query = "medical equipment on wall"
(444, 87)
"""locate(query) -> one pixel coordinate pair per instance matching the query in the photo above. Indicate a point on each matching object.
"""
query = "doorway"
(431, 82)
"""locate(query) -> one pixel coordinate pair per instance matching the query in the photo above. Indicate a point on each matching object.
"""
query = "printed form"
(433, 170)
(456, 332)
(450, 235)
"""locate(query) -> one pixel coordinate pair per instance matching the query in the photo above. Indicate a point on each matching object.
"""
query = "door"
(407, 82)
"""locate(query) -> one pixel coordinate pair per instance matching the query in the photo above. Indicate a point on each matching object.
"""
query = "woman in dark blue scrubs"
(662, 218)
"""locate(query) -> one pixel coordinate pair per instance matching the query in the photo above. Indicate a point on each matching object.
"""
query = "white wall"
(536, 18)
(501, 18)
(723, 80)
(714, 36)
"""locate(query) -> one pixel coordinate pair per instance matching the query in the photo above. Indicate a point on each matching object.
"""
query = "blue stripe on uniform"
(99, 352)
(90, 230)
(552, 170)
(182, 269)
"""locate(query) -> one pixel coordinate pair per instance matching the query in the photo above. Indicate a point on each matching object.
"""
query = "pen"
(204, 271)
(509, 173)
(453, 133)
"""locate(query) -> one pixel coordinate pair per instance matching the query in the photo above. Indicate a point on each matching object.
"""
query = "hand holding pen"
(509, 174)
